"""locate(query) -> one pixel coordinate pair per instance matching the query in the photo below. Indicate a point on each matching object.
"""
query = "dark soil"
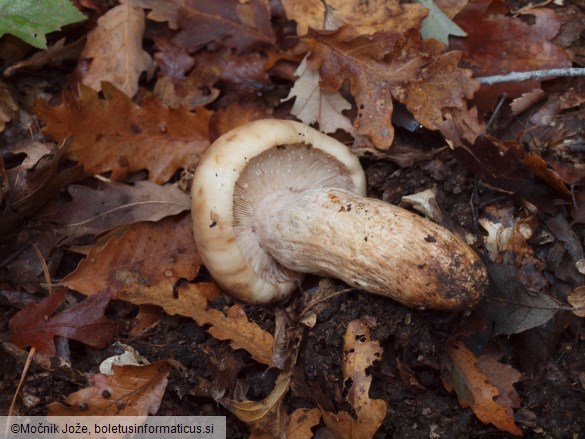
(408, 378)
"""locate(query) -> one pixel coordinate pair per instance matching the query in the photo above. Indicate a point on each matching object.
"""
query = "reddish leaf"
(150, 136)
(84, 322)
(389, 65)
(498, 44)
(130, 391)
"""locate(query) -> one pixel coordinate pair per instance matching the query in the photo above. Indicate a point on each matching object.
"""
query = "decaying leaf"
(498, 44)
(26, 187)
(190, 300)
(85, 322)
(390, 65)
(114, 49)
(478, 388)
(367, 17)
(147, 256)
(300, 423)
(150, 136)
(130, 391)
(511, 307)
(360, 352)
(92, 212)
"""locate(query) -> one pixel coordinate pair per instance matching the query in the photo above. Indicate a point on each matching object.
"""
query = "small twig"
(535, 74)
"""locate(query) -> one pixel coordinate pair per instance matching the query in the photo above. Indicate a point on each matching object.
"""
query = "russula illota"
(274, 199)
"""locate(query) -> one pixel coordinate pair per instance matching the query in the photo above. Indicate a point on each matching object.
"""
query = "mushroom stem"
(370, 245)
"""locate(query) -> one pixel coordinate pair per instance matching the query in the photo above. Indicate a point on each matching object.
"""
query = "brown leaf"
(92, 212)
(384, 66)
(29, 185)
(55, 55)
(84, 322)
(360, 352)
(115, 50)
(160, 10)
(462, 373)
(301, 422)
(8, 105)
(244, 26)
(266, 416)
(191, 301)
(497, 43)
(150, 136)
(147, 256)
(367, 17)
(130, 391)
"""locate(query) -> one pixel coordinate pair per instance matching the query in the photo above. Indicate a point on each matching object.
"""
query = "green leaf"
(31, 20)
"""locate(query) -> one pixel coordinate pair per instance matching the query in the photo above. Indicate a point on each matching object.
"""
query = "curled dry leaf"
(85, 322)
(115, 50)
(267, 416)
(479, 389)
(150, 136)
(360, 352)
(130, 391)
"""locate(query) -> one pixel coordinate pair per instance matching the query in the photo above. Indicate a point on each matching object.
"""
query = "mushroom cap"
(250, 163)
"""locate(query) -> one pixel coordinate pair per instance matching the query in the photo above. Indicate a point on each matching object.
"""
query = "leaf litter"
(138, 92)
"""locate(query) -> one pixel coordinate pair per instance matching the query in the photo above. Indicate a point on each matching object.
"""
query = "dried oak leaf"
(191, 301)
(488, 392)
(92, 212)
(389, 65)
(147, 256)
(313, 105)
(265, 418)
(84, 322)
(499, 44)
(115, 50)
(367, 17)
(301, 422)
(360, 352)
(160, 10)
(114, 134)
(244, 26)
(130, 391)
(8, 105)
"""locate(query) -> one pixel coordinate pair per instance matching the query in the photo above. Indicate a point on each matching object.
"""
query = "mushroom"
(273, 200)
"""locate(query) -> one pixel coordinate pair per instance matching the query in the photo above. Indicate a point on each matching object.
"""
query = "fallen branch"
(535, 74)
